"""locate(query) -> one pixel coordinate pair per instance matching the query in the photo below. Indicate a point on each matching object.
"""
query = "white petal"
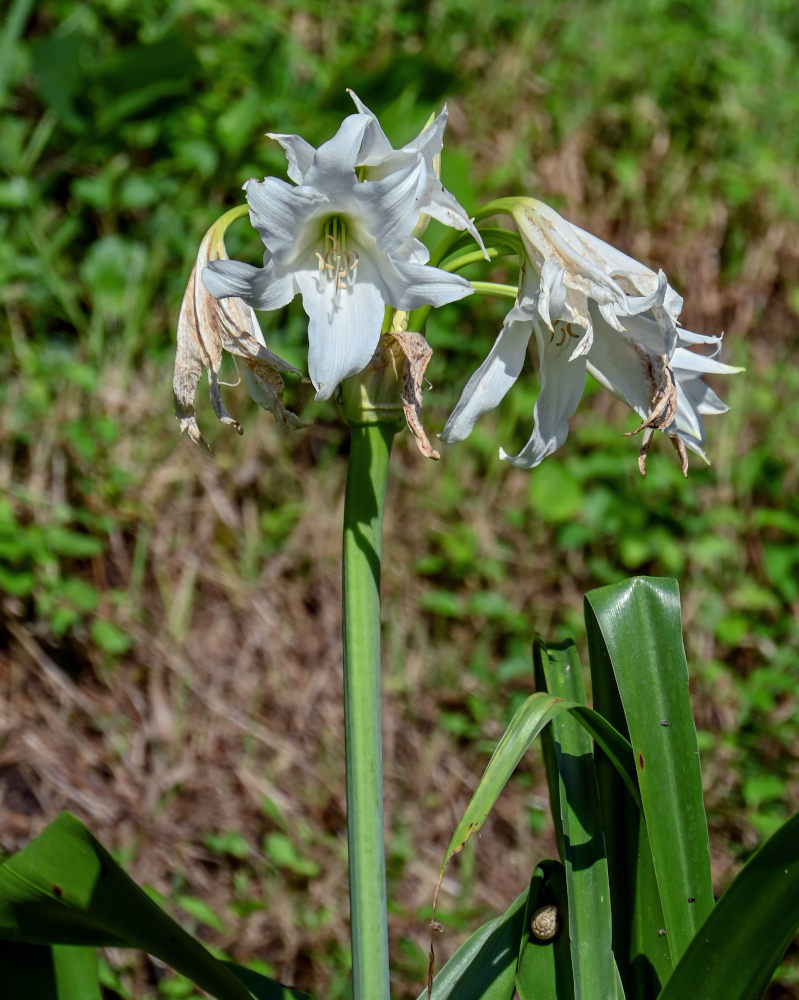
(343, 328)
(690, 361)
(298, 152)
(562, 384)
(552, 298)
(260, 287)
(376, 146)
(698, 338)
(390, 207)
(339, 153)
(281, 213)
(489, 384)
(615, 364)
(406, 285)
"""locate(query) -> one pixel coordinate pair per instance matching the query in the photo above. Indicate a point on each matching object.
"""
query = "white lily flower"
(207, 328)
(593, 309)
(345, 246)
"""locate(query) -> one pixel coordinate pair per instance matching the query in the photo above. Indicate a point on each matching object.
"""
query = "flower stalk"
(363, 524)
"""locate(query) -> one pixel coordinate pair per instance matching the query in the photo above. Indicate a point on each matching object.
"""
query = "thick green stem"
(363, 524)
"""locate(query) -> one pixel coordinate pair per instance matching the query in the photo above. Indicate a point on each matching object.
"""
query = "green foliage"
(64, 888)
(656, 855)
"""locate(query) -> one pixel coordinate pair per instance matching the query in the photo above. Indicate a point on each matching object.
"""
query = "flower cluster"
(592, 308)
(343, 235)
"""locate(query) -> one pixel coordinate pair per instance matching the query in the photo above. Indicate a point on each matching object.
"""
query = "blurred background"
(169, 619)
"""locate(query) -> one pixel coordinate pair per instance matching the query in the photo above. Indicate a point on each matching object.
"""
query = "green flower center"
(337, 264)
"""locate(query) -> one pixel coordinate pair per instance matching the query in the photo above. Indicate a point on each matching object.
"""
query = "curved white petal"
(343, 328)
(258, 286)
(340, 152)
(376, 146)
(281, 213)
(562, 384)
(690, 361)
(299, 154)
(390, 207)
(489, 384)
(406, 285)
(443, 206)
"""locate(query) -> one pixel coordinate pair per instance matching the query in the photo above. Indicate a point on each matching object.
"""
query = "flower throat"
(338, 264)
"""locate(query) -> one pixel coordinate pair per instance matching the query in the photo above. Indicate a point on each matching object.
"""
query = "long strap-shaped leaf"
(736, 950)
(638, 622)
(484, 967)
(65, 888)
(545, 966)
(535, 713)
(576, 802)
(60, 972)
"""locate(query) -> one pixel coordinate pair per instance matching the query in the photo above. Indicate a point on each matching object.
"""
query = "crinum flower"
(345, 245)
(206, 328)
(593, 309)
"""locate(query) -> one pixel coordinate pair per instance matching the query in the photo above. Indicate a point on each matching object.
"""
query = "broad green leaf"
(530, 718)
(557, 667)
(545, 967)
(484, 967)
(61, 972)
(639, 940)
(638, 621)
(263, 988)
(65, 888)
(736, 950)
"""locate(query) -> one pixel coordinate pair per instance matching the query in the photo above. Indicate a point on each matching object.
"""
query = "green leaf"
(736, 950)
(638, 621)
(545, 967)
(263, 988)
(557, 667)
(108, 637)
(282, 851)
(530, 718)
(484, 967)
(65, 888)
(640, 943)
(62, 972)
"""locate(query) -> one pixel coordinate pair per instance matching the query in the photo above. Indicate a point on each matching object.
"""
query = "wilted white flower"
(593, 308)
(346, 246)
(206, 328)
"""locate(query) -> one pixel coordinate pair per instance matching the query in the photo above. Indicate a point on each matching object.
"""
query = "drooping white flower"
(208, 327)
(592, 308)
(346, 246)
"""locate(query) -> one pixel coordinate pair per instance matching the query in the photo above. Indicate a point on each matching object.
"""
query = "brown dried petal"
(663, 405)
(417, 355)
(206, 328)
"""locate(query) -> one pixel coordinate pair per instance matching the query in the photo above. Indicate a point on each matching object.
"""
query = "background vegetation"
(169, 620)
